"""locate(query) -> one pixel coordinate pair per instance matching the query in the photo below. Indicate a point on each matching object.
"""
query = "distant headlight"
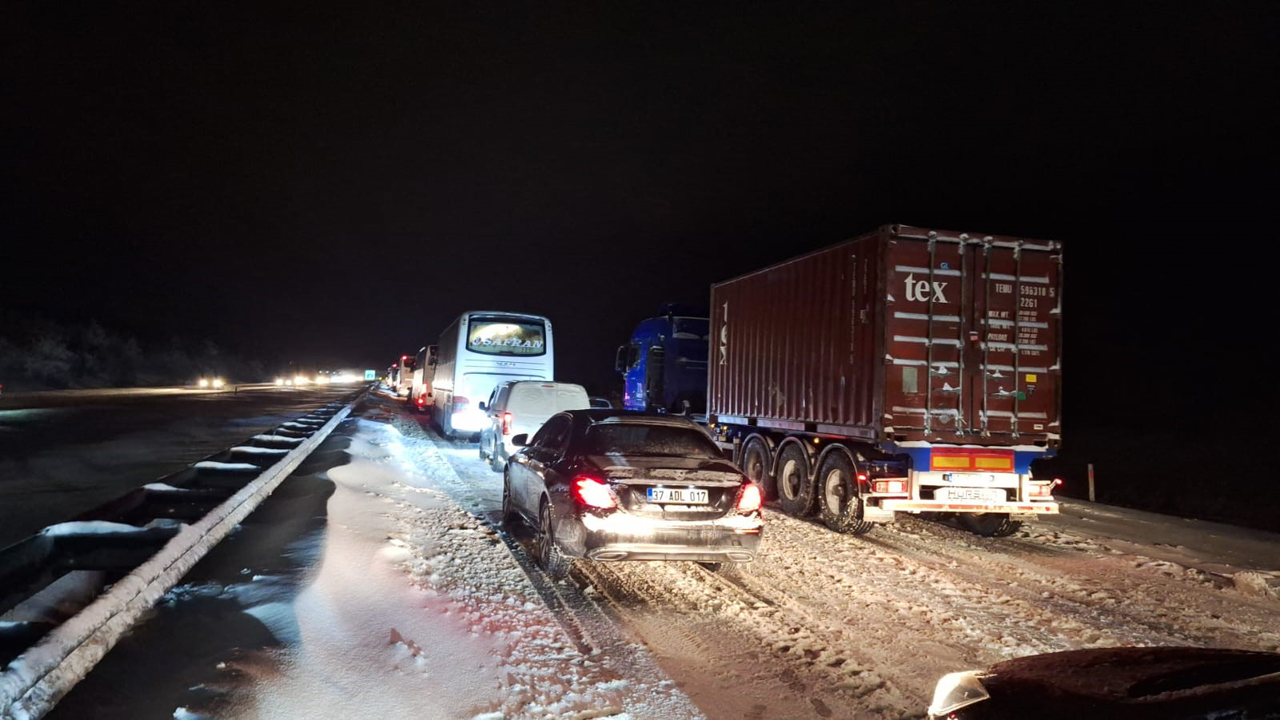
(204, 383)
(279, 381)
(219, 382)
(299, 380)
(957, 690)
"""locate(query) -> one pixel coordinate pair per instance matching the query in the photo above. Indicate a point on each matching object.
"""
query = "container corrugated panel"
(900, 334)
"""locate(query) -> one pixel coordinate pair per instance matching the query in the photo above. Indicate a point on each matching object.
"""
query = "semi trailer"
(902, 371)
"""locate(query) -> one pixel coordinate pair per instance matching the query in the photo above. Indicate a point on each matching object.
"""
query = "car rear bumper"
(625, 537)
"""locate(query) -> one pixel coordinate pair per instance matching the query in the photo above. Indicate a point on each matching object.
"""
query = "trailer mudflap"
(1013, 508)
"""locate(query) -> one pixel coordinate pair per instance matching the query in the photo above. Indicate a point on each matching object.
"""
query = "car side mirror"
(520, 440)
(483, 407)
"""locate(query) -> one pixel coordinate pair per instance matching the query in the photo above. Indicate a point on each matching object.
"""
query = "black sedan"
(612, 485)
(1129, 683)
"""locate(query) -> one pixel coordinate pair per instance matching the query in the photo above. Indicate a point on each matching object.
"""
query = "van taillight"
(506, 423)
(460, 403)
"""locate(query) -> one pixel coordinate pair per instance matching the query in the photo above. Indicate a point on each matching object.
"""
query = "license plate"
(681, 496)
(987, 495)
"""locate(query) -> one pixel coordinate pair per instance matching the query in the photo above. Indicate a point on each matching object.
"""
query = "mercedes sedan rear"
(610, 485)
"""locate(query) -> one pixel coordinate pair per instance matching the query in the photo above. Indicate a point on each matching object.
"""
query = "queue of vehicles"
(904, 370)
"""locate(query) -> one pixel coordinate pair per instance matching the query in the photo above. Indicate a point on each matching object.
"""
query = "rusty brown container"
(900, 335)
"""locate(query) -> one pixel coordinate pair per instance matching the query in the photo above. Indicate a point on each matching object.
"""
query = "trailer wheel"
(839, 499)
(755, 465)
(990, 524)
(795, 483)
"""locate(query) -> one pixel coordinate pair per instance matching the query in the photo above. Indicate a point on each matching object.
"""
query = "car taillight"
(593, 493)
(749, 498)
(890, 487)
(460, 403)
(506, 423)
(422, 401)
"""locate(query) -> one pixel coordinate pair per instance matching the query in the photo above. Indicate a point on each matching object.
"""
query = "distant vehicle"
(520, 407)
(424, 371)
(403, 375)
(905, 370)
(609, 485)
(214, 383)
(664, 366)
(476, 352)
(1165, 683)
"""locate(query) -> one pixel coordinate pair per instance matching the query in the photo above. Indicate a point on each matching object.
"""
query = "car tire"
(509, 515)
(840, 502)
(496, 463)
(990, 524)
(549, 557)
(755, 465)
(794, 481)
(480, 448)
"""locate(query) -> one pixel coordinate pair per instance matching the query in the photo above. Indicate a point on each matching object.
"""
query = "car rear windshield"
(548, 398)
(504, 336)
(653, 440)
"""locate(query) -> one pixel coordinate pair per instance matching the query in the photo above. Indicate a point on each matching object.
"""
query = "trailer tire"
(840, 499)
(795, 481)
(990, 524)
(755, 465)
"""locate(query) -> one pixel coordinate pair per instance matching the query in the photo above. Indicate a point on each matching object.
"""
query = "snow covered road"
(828, 625)
(380, 584)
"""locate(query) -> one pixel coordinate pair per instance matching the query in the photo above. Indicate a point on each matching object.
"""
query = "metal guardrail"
(159, 533)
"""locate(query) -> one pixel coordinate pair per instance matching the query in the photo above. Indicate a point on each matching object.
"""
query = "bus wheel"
(795, 484)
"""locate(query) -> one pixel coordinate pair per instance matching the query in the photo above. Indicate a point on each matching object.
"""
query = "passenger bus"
(475, 353)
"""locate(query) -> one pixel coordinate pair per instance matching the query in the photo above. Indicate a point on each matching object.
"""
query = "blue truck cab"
(664, 367)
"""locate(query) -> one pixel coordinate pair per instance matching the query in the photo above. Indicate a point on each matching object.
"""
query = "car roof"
(600, 416)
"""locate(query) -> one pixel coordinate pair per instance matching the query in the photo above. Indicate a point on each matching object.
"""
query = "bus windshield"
(506, 336)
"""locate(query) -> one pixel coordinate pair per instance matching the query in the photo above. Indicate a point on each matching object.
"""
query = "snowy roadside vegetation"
(38, 354)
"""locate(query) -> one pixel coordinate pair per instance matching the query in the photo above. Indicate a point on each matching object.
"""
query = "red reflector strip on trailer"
(971, 459)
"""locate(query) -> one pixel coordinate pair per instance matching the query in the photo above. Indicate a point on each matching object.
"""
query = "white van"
(521, 407)
(475, 353)
(424, 371)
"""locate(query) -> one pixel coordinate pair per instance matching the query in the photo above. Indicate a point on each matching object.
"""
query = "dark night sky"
(336, 184)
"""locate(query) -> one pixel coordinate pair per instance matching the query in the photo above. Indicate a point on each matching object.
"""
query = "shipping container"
(931, 355)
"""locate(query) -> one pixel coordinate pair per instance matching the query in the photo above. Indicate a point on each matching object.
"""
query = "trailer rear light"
(593, 493)
(749, 498)
(1042, 489)
(506, 423)
(460, 403)
(890, 487)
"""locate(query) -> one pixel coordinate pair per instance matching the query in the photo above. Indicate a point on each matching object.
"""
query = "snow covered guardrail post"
(35, 681)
